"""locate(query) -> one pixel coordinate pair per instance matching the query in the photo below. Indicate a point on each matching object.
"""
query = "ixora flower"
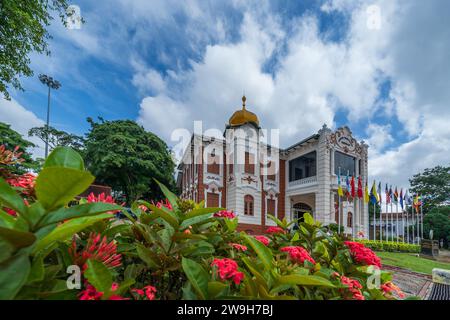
(225, 214)
(275, 230)
(147, 291)
(353, 287)
(96, 249)
(264, 240)
(363, 255)
(26, 182)
(90, 293)
(100, 198)
(298, 254)
(227, 269)
(238, 247)
(165, 203)
(388, 288)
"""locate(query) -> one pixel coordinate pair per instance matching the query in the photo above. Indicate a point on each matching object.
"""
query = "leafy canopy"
(57, 138)
(123, 155)
(23, 30)
(433, 185)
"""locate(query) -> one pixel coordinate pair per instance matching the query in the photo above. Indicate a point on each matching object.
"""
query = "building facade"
(245, 174)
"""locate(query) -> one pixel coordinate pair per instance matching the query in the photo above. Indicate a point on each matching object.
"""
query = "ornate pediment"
(342, 139)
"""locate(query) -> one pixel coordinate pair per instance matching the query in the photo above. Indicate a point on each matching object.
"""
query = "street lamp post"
(51, 84)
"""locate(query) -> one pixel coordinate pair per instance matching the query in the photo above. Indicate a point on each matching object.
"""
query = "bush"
(390, 246)
(172, 250)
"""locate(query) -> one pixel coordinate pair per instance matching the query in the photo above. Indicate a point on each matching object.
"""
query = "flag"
(366, 194)
(360, 189)
(408, 200)
(340, 192)
(379, 193)
(388, 197)
(391, 194)
(373, 194)
(352, 186)
(347, 182)
(396, 195)
(401, 198)
(416, 203)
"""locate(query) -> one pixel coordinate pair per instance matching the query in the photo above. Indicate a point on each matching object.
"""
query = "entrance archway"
(298, 210)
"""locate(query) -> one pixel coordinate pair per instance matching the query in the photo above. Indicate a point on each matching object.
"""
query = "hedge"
(390, 246)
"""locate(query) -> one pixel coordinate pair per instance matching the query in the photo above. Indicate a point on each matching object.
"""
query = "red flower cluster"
(389, 288)
(238, 246)
(362, 254)
(11, 211)
(354, 287)
(26, 182)
(225, 214)
(264, 240)
(227, 269)
(90, 293)
(298, 254)
(275, 230)
(165, 203)
(98, 250)
(147, 291)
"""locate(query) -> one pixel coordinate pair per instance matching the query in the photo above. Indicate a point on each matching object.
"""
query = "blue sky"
(300, 63)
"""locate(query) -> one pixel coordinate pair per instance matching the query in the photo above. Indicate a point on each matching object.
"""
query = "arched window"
(349, 219)
(248, 205)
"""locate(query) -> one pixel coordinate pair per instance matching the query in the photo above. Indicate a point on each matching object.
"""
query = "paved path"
(411, 283)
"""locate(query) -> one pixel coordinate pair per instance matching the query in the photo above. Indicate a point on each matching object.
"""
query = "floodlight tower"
(51, 84)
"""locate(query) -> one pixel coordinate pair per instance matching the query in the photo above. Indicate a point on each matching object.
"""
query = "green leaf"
(124, 286)
(69, 228)
(99, 276)
(18, 239)
(169, 195)
(37, 271)
(304, 280)
(55, 186)
(216, 288)
(194, 220)
(197, 276)
(201, 211)
(148, 256)
(13, 275)
(264, 253)
(170, 219)
(6, 220)
(64, 157)
(308, 219)
(231, 224)
(9, 197)
(82, 210)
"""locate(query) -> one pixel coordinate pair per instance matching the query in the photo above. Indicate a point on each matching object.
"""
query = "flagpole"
(413, 222)
(407, 225)
(418, 226)
(421, 219)
(339, 203)
(392, 223)
(396, 218)
(387, 220)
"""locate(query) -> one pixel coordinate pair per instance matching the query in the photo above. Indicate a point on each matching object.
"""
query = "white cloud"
(21, 120)
(379, 137)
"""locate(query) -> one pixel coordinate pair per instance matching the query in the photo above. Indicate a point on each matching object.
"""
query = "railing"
(309, 180)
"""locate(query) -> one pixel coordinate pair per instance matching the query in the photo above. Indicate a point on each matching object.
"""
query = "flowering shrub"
(174, 249)
(362, 254)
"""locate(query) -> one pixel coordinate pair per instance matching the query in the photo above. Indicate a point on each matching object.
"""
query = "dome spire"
(243, 102)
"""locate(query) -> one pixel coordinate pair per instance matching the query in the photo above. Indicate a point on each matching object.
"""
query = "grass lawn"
(410, 261)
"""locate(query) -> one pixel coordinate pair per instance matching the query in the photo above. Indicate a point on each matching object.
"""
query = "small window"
(213, 164)
(271, 207)
(249, 163)
(349, 219)
(248, 205)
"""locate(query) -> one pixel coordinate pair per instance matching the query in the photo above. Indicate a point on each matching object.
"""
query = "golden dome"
(243, 116)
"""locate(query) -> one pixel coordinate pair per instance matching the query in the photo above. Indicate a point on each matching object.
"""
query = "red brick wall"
(282, 194)
(253, 229)
(212, 199)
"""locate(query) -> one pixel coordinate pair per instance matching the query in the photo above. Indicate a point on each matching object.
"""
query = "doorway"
(298, 210)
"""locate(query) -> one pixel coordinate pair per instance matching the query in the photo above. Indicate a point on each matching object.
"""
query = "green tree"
(438, 220)
(10, 139)
(22, 31)
(58, 138)
(123, 155)
(433, 185)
